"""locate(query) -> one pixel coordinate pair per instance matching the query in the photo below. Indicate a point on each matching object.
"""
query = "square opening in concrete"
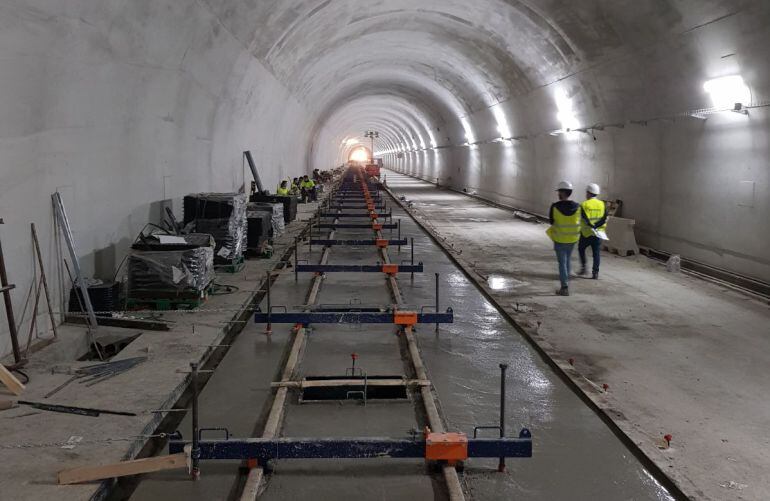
(354, 388)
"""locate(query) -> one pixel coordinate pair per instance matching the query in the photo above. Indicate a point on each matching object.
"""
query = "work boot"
(595, 275)
(564, 291)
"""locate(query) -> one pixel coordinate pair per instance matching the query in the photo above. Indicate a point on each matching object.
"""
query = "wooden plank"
(324, 383)
(125, 468)
(10, 381)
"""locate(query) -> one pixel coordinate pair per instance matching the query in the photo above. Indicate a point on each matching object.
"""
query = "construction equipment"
(64, 224)
(93, 374)
(6, 289)
(450, 448)
(351, 315)
(67, 409)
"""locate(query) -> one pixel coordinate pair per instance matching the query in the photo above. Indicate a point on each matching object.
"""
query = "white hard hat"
(593, 189)
(564, 185)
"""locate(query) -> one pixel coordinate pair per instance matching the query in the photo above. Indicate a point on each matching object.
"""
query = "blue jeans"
(595, 243)
(563, 256)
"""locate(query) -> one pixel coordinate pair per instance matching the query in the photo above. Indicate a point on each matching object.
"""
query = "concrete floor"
(571, 443)
(28, 473)
(681, 356)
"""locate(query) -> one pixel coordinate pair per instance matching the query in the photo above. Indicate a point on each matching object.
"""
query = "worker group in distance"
(572, 223)
(303, 187)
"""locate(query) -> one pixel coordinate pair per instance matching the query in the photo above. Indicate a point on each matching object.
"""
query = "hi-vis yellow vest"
(565, 229)
(594, 209)
(282, 191)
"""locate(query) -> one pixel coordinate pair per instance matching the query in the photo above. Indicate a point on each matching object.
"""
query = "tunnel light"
(502, 122)
(359, 155)
(728, 91)
(469, 135)
(566, 114)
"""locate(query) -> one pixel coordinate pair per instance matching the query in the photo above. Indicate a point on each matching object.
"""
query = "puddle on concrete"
(503, 283)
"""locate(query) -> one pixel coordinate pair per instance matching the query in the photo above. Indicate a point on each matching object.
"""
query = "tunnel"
(123, 108)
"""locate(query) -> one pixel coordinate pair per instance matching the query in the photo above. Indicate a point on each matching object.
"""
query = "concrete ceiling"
(407, 67)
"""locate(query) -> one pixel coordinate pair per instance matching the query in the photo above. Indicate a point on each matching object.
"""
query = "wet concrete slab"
(576, 456)
(675, 350)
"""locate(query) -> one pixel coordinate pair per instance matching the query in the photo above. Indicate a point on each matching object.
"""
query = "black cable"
(229, 289)
(23, 374)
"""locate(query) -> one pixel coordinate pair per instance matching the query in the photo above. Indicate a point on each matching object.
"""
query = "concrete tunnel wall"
(125, 106)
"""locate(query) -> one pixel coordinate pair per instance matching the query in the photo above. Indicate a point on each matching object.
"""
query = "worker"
(593, 219)
(564, 216)
(295, 187)
(308, 189)
(283, 190)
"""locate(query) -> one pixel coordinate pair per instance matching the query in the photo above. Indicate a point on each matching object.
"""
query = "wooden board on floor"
(134, 467)
(321, 383)
(10, 381)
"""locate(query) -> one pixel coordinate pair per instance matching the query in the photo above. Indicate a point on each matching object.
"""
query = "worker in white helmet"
(564, 231)
(593, 219)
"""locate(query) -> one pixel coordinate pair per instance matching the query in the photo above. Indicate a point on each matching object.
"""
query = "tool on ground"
(67, 409)
(93, 374)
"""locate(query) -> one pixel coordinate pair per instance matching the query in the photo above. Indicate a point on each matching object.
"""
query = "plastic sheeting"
(222, 215)
(190, 269)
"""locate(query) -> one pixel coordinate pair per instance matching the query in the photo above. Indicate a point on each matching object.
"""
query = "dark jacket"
(566, 207)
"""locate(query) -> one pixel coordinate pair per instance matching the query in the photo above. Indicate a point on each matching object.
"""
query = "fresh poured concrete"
(576, 456)
(681, 356)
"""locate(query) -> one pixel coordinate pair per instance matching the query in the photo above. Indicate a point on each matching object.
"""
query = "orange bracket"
(381, 243)
(377, 226)
(390, 269)
(405, 318)
(373, 215)
(451, 447)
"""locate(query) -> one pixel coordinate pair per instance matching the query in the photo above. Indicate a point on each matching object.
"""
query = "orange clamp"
(377, 226)
(390, 269)
(381, 243)
(405, 318)
(451, 447)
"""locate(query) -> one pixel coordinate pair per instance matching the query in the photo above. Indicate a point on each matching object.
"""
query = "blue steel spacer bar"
(353, 207)
(353, 199)
(348, 317)
(355, 268)
(263, 449)
(321, 241)
(367, 226)
(359, 214)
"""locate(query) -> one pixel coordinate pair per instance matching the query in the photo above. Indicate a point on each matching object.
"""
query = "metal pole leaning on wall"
(6, 290)
(61, 215)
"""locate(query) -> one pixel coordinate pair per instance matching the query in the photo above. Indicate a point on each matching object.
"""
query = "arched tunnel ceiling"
(348, 61)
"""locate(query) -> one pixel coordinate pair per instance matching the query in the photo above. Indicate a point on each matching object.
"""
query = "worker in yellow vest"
(283, 190)
(308, 189)
(593, 220)
(564, 231)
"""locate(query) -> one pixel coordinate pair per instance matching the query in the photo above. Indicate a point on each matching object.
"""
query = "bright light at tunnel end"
(359, 155)
(727, 92)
